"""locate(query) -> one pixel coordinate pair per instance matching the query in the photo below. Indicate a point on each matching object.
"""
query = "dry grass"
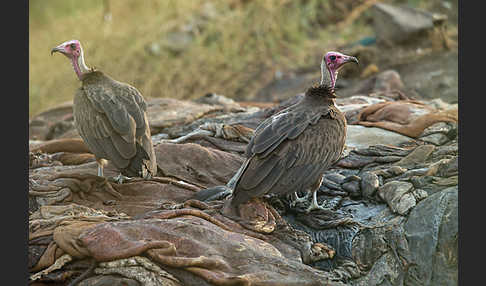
(235, 49)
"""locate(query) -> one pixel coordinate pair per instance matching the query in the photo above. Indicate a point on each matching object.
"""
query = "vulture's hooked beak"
(57, 49)
(352, 59)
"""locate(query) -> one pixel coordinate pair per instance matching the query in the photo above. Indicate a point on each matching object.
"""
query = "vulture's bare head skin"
(335, 60)
(71, 49)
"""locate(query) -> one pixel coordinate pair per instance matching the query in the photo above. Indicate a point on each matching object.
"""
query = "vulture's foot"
(297, 200)
(120, 179)
(314, 205)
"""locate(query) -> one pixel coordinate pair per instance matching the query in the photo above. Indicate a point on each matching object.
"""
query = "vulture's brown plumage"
(290, 151)
(111, 118)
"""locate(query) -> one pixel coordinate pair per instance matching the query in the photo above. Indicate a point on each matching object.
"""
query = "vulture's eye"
(332, 58)
(73, 46)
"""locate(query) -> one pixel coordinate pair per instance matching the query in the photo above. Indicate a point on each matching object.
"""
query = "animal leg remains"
(84, 183)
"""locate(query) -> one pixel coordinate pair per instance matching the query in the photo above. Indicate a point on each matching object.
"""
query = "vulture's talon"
(314, 205)
(297, 200)
(120, 179)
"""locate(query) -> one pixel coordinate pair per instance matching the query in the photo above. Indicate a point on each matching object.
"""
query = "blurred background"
(247, 50)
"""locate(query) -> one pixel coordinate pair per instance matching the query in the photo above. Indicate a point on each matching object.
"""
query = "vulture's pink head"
(332, 62)
(72, 49)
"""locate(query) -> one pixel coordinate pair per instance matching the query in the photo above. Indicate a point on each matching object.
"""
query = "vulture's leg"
(295, 199)
(101, 164)
(100, 170)
(314, 205)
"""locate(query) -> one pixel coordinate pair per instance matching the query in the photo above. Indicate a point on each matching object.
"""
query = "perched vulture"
(290, 150)
(111, 118)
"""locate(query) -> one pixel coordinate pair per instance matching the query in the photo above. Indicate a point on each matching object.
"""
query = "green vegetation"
(234, 46)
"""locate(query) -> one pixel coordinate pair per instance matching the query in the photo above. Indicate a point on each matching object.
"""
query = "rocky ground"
(392, 198)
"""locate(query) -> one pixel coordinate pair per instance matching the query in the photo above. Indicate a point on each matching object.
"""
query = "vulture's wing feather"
(278, 163)
(287, 124)
(110, 118)
(118, 101)
(104, 142)
(124, 146)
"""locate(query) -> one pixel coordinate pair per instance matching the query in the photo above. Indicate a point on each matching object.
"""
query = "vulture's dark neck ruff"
(93, 73)
(323, 91)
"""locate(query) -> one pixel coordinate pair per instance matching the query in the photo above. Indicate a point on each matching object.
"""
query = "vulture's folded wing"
(277, 160)
(116, 120)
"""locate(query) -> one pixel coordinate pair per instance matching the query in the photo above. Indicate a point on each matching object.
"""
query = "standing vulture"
(111, 118)
(290, 151)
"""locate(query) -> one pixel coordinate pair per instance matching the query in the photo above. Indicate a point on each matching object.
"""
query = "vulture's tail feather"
(138, 165)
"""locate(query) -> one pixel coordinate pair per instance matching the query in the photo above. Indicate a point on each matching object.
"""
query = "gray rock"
(352, 188)
(355, 103)
(213, 98)
(331, 184)
(427, 183)
(104, 280)
(383, 150)
(160, 136)
(449, 167)
(381, 251)
(369, 184)
(398, 196)
(440, 104)
(398, 24)
(406, 202)
(362, 137)
(178, 41)
(445, 150)
(436, 138)
(432, 233)
(388, 81)
(414, 172)
(418, 155)
(420, 194)
(383, 270)
(388, 159)
(390, 172)
(335, 177)
(352, 178)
